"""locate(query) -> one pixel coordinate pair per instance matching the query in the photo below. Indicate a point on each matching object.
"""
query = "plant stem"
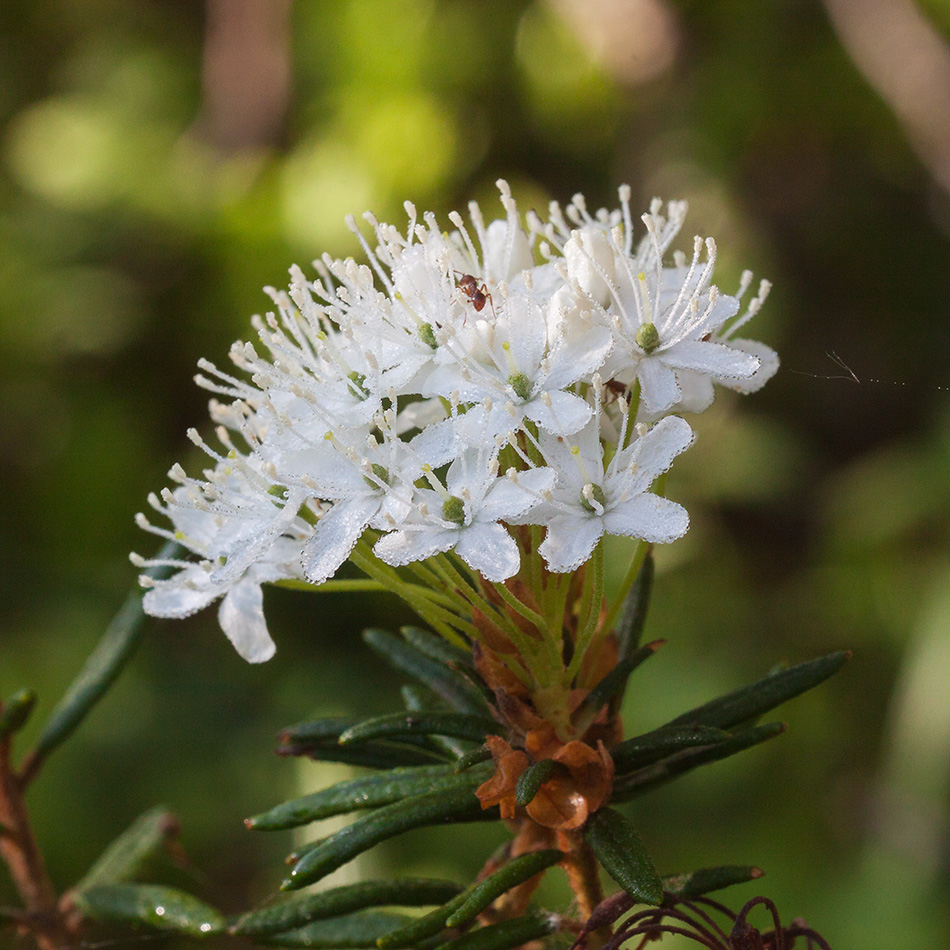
(582, 872)
(22, 855)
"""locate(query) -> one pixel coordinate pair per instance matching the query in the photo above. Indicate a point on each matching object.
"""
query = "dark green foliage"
(458, 804)
(150, 905)
(15, 711)
(635, 783)
(619, 849)
(704, 880)
(652, 746)
(509, 933)
(399, 725)
(368, 791)
(533, 777)
(610, 687)
(298, 912)
(102, 668)
(515, 872)
(453, 688)
(124, 859)
(362, 929)
(760, 697)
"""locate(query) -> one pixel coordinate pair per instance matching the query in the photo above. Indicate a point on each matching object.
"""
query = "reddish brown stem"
(584, 877)
(22, 855)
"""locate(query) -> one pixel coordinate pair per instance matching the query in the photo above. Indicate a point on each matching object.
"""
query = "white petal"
(768, 366)
(658, 386)
(570, 541)
(579, 357)
(566, 414)
(404, 546)
(507, 499)
(174, 601)
(490, 550)
(649, 517)
(713, 359)
(335, 535)
(241, 616)
(653, 453)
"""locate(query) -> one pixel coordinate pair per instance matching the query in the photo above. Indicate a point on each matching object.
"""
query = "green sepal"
(533, 777)
(15, 711)
(102, 668)
(507, 934)
(515, 872)
(619, 849)
(362, 929)
(125, 857)
(442, 807)
(610, 686)
(151, 904)
(369, 791)
(684, 887)
(298, 912)
(652, 746)
(403, 725)
(746, 704)
(652, 776)
(471, 758)
(451, 686)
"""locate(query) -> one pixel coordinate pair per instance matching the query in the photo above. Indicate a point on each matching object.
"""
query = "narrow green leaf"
(416, 931)
(619, 849)
(101, 670)
(452, 687)
(362, 929)
(319, 740)
(298, 912)
(612, 684)
(326, 730)
(533, 777)
(651, 746)
(634, 616)
(369, 791)
(515, 872)
(15, 712)
(752, 701)
(125, 857)
(455, 805)
(371, 755)
(151, 904)
(696, 883)
(472, 757)
(437, 647)
(507, 934)
(399, 725)
(642, 780)
(419, 698)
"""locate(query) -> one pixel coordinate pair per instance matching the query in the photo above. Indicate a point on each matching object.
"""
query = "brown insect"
(477, 293)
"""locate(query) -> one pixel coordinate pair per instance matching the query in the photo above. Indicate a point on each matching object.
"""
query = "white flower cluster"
(454, 386)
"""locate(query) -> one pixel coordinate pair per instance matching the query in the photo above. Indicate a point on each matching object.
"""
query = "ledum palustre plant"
(462, 419)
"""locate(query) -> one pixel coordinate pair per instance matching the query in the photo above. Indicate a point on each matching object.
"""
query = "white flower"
(464, 515)
(590, 500)
(195, 585)
(511, 361)
(444, 352)
(369, 482)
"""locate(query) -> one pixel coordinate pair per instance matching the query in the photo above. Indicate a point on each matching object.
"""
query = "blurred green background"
(161, 161)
